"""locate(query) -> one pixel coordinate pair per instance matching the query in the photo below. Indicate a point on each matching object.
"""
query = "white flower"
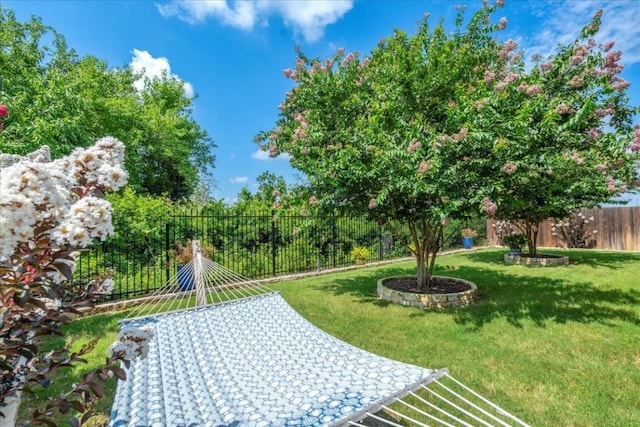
(131, 343)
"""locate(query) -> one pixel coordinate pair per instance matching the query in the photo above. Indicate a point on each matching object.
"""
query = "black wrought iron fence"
(254, 246)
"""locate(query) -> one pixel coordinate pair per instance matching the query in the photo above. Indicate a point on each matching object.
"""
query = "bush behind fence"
(254, 246)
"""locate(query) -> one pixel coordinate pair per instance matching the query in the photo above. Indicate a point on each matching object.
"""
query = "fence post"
(380, 243)
(334, 240)
(167, 250)
(273, 242)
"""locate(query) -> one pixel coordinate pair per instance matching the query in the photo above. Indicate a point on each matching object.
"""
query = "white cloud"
(154, 68)
(308, 18)
(311, 17)
(565, 20)
(264, 155)
(239, 180)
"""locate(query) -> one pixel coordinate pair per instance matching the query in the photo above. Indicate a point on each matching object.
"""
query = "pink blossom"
(371, 147)
(304, 151)
(634, 147)
(612, 58)
(503, 23)
(4, 111)
(563, 109)
(546, 66)
(603, 112)
(576, 59)
(593, 133)
(289, 73)
(340, 51)
(414, 145)
(489, 207)
(510, 45)
(373, 204)
(503, 54)
(577, 158)
(281, 106)
(464, 132)
(620, 84)
(313, 200)
(601, 167)
(534, 89)
(276, 204)
(522, 87)
(608, 45)
(511, 77)
(611, 184)
(499, 87)
(499, 3)
(275, 193)
(576, 81)
(424, 166)
(273, 150)
(304, 213)
(489, 76)
(509, 167)
(479, 105)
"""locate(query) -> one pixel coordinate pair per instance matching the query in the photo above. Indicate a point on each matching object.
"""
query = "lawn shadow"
(517, 298)
(514, 297)
(585, 257)
(363, 286)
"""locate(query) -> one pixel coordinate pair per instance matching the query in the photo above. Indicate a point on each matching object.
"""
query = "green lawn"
(553, 345)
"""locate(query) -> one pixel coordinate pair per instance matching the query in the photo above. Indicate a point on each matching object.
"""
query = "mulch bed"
(438, 285)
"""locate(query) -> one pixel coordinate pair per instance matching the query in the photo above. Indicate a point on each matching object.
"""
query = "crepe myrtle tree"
(49, 211)
(381, 135)
(559, 135)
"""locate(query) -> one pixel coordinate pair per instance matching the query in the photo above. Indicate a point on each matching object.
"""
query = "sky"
(230, 54)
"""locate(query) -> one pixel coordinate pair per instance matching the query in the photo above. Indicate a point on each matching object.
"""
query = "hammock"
(243, 357)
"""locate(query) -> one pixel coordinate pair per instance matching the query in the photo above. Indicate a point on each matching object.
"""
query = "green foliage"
(515, 241)
(558, 137)
(383, 137)
(359, 253)
(58, 99)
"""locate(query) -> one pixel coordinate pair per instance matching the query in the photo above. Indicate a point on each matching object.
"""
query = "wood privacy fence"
(618, 228)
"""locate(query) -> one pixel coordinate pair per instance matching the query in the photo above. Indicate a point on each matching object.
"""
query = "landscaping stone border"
(548, 261)
(458, 299)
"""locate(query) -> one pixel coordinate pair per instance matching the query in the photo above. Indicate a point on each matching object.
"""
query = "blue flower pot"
(185, 279)
(467, 242)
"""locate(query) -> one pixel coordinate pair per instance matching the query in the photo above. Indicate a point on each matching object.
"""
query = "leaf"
(97, 389)
(119, 373)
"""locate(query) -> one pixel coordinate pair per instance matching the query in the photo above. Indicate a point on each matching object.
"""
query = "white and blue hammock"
(244, 357)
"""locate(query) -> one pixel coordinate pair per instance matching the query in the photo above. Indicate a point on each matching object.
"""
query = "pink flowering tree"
(559, 135)
(49, 210)
(382, 135)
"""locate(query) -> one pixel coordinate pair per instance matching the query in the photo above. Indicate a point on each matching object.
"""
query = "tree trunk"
(425, 237)
(531, 231)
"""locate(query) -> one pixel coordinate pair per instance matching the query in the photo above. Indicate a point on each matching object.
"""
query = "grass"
(553, 345)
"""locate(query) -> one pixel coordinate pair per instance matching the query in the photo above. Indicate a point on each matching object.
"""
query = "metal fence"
(254, 246)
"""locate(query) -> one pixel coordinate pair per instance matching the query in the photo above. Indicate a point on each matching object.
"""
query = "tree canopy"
(423, 130)
(56, 98)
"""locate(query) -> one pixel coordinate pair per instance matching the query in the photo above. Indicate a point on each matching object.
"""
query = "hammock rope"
(228, 351)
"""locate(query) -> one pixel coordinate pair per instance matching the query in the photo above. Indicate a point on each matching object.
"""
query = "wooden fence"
(618, 228)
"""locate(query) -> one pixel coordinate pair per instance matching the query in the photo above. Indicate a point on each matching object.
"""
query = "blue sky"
(231, 53)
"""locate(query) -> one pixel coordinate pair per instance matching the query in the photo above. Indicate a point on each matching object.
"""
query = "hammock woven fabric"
(253, 362)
